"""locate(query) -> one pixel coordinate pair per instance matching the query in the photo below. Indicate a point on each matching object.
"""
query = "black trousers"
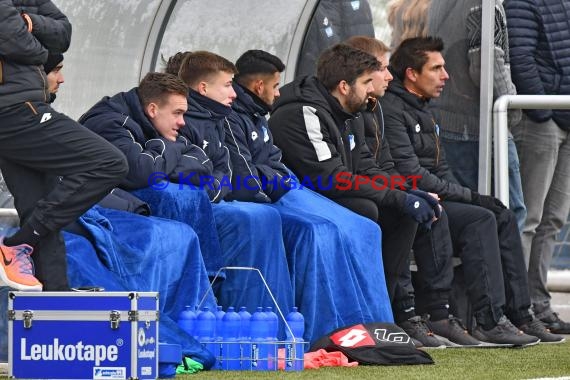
(490, 249)
(398, 231)
(56, 170)
(431, 289)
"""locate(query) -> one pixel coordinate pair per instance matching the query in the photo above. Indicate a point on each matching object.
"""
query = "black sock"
(25, 235)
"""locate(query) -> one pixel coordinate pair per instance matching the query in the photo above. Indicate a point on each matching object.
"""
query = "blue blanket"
(191, 207)
(139, 253)
(249, 236)
(335, 260)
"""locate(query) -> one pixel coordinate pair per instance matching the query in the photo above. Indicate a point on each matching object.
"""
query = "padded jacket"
(539, 39)
(205, 123)
(121, 121)
(252, 152)
(413, 136)
(22, 54)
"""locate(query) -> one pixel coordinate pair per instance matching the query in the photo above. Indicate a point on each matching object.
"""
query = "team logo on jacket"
(265, 134)
(45, 117)
(254, 135)
(355, 336)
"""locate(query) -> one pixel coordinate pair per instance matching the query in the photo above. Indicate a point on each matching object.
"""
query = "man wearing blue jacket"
(39, 143)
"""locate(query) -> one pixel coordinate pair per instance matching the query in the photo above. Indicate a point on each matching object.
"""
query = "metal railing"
(501, 132)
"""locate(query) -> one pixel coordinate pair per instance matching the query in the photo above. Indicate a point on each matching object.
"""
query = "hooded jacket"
(205, 123)
(324, 144)
(413, 136)
(22, 53)
(252, 152)
(121, 121)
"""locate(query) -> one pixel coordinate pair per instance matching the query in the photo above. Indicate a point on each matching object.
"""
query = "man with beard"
(316, 123)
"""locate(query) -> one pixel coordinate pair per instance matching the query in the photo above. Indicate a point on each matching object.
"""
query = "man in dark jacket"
(480, 226)
(38, 143)
(540, 54)
(316, 123)
(247, 134)
(144, 123)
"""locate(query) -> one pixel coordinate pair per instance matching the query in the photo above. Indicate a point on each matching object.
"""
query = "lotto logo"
(356, 336)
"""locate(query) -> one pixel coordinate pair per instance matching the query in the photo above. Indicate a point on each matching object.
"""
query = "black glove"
(431, 200)
(488, 202)
(419, 209)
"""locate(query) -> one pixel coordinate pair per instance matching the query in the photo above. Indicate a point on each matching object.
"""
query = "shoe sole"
(555, 342)
(449, 344)
(4, 280)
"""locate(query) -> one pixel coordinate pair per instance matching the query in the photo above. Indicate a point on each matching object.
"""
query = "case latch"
(27, 317)
(115, 318)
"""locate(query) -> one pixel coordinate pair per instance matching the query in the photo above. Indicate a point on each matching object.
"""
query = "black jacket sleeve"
(51, 27)
(16, 43)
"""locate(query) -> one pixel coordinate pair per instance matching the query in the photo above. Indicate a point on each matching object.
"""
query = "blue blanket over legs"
(191, 207)
(139, 253)
(335, 260)
(251, 236)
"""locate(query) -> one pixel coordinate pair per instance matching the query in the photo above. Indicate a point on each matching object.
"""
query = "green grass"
(488, 363)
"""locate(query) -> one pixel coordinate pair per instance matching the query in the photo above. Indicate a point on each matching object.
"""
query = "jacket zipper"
(1, 71)
(436, 134)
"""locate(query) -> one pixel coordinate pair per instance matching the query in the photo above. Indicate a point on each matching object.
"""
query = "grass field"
(484, 363)
(497, 363)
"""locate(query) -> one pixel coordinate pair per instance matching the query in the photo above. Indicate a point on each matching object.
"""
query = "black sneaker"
(504, 334)
(452, 332)
(553, 322)
(537, 328)
(416, 328)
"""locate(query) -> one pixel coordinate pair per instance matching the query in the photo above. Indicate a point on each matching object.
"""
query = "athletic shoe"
(504, 334)
(417, 329)
(452, 332)
(553, 322)
(537, 328)
(17, 270)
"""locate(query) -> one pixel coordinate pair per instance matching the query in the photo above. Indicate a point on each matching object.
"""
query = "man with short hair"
(316, 123)
(39, 143)
(250, 233)
(481, 227)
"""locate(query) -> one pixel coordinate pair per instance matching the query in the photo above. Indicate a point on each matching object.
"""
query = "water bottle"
(245, 338)
(231, 326)
(295, 350)
(219, 347)
(258, 332)
(187, 320)
(205, 328)
(272, 327)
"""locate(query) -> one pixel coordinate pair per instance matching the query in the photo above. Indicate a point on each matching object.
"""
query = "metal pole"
(486, 95)
(501, 128)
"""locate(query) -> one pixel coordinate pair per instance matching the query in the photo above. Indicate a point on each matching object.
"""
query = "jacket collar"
(336, 108)
(396, 87)
(248, 102)
(215, 109)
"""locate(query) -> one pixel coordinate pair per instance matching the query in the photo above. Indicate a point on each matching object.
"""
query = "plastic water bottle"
(295, 350)
(272, 328)
(205, 328)
(187, 320)
(219, 347)
(245, 338)
(231, 326)
(258, 331)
